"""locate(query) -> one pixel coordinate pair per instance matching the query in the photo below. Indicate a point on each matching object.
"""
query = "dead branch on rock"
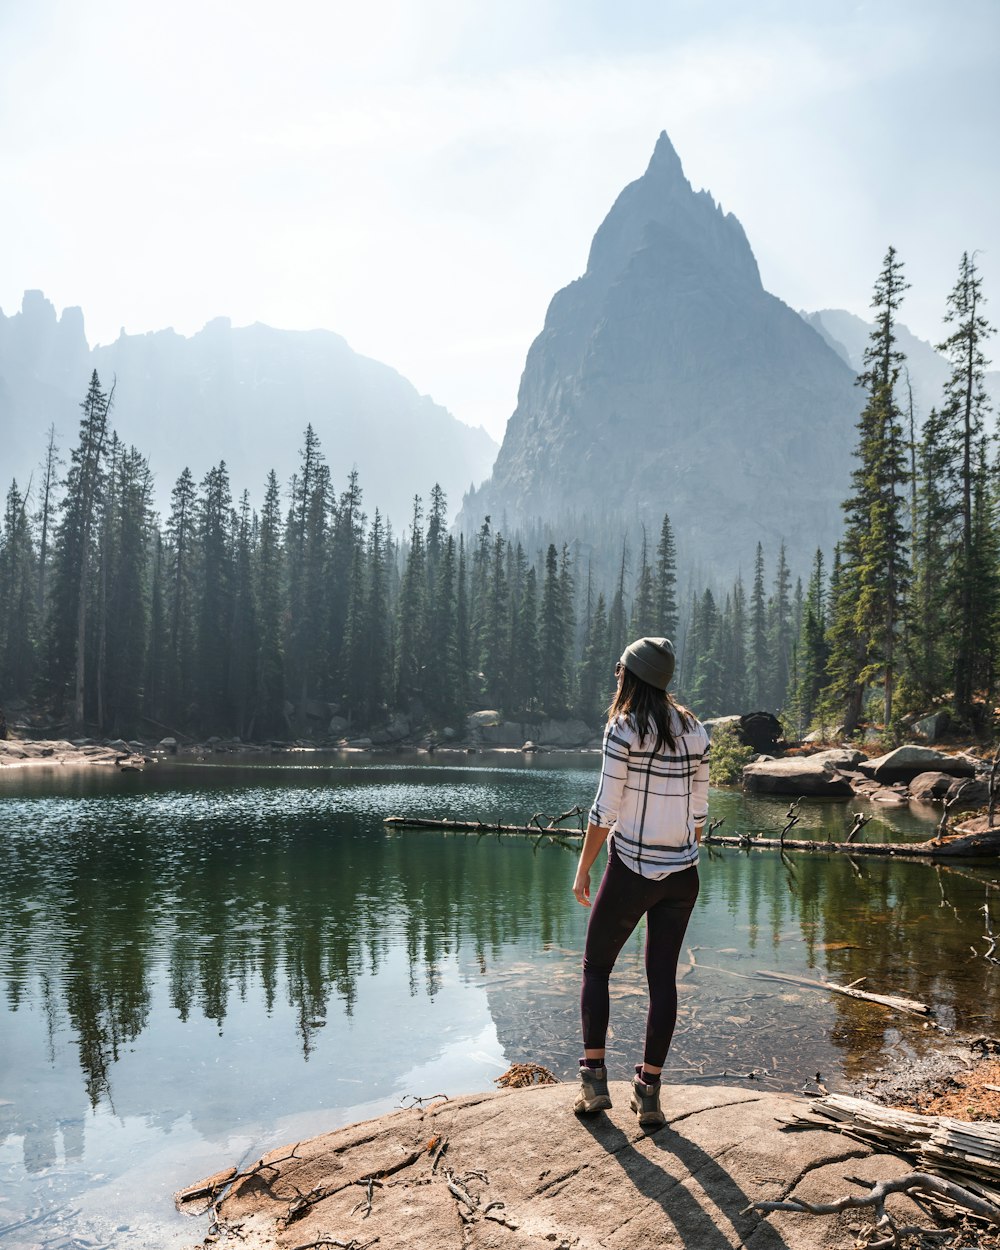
(365, 1205)
(943, 828)
(304, 1203)
(916, 1184)
(909, 1005)
(216, 1188)
(418, 1100)
(520, 1075)
(353, 1244)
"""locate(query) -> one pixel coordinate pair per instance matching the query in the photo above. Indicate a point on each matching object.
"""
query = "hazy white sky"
(422, 175)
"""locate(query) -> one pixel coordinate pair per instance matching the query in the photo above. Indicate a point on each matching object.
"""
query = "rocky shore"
(517, 1169)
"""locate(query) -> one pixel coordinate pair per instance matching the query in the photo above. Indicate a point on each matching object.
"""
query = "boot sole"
(648, 1119)
(600, 1103)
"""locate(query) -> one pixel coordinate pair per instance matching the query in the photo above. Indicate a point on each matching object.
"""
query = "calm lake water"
(200, 963)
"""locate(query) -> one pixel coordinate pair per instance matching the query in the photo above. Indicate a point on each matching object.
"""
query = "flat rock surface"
(517, 1169)
(798, 775)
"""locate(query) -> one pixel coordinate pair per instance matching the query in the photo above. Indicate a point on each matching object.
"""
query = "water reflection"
(199, 953)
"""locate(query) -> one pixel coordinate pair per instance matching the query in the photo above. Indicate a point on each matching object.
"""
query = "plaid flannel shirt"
(652, 801)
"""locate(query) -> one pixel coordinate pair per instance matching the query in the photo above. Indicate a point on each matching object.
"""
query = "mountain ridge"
(242, 394)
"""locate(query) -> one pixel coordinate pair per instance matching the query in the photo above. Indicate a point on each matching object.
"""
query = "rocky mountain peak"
(666, 379)
(661, 211)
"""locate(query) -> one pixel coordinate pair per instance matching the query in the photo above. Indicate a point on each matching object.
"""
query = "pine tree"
(411, 617)
(875, 574)
(666, 583)
(963, 415)
(181, 599)
(759, 666)
(214, 598)
(18, 594)
(553, 636)
(72, 589)
(780, 634)
(269, 717)
(644, 617)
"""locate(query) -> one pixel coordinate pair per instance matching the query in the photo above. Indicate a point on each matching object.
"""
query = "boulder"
(930, 787)
(932, 728)
(337, 726)
(504, 734)
(721, 722)
(169, 745)
(761, 730)
(396, 730)
(795, 776)
(478, 720)
(968, 792)
(839, 757)
(910, 761)
(563, 733)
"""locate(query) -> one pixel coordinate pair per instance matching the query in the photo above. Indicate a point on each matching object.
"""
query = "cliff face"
(243, 395)
(667, 379)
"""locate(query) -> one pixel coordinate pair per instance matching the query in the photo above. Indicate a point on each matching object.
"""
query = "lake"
(202, 962)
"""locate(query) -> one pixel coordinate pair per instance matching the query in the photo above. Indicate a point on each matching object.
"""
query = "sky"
(421, 176)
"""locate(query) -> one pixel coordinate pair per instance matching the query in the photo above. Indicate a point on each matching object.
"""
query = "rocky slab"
(799, 775)
(907, 762)
(516, 1169)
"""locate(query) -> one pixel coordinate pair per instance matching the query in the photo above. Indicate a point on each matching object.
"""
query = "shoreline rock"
(516, 1168)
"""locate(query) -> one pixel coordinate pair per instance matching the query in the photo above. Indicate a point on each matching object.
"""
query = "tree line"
(225, 619)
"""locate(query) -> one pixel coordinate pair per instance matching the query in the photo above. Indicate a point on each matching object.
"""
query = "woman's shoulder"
(690, 724)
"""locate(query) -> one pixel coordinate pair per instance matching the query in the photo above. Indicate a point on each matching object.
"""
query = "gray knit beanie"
(651, 660)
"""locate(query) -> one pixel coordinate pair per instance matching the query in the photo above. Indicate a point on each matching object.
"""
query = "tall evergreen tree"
(73, 590)
(963, 416)
(666, 583)
(759, 684)
(18, 595)
(875, 576)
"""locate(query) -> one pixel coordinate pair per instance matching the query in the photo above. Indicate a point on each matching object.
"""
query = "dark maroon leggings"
(621, 901)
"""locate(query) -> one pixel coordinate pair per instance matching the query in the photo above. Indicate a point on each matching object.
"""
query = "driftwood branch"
(917, 1184)
(909, 1005)
(965, 846)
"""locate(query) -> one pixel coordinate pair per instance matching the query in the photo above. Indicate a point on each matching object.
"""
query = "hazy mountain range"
(665, 379)
(243, 395)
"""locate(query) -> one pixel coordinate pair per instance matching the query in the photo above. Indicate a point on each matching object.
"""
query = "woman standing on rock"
(653, 801)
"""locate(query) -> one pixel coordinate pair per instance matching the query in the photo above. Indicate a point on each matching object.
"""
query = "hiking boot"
(593, 1095)
(646, 1103)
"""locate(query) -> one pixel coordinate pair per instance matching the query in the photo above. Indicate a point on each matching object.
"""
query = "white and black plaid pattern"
(650, 800)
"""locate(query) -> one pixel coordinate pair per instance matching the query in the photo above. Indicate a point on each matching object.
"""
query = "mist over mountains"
(243, 395)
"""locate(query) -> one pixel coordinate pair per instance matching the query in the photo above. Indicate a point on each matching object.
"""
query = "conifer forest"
(238, 616)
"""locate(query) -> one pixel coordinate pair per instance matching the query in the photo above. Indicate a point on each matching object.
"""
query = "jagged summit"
(667, 379)
(665, 162)
(661, 210)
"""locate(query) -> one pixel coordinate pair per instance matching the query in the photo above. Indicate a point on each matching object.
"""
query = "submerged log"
(478, 826)
(910, 1005)
(968, 846)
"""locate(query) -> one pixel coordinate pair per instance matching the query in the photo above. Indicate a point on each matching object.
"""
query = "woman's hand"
(581, 887)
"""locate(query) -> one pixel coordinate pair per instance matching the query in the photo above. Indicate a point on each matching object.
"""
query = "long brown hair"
(641, 704)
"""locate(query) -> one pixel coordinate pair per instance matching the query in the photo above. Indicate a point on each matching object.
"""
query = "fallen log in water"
(478, 826)
(968, 846)
(909, 1005)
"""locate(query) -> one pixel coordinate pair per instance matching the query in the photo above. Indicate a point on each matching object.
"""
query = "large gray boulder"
(839, 757)
(563, 733)
(720, 722)
(910, 761)
(802, 775)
